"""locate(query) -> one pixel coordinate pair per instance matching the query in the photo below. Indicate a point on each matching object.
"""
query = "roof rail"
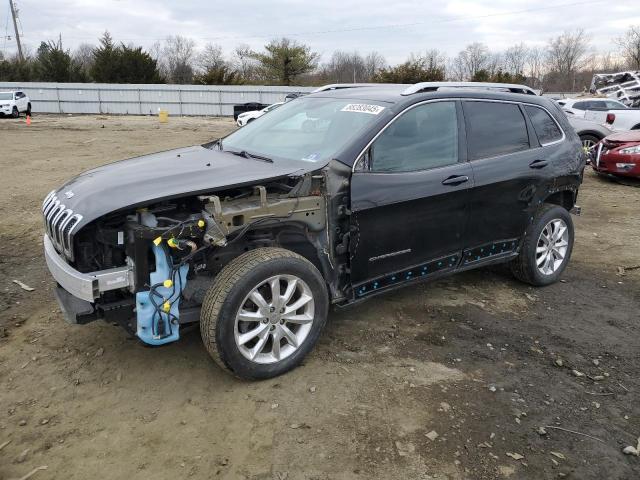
(435, 86)
(340, 86)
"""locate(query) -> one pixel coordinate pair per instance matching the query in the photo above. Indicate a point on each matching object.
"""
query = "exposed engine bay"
(174, 248)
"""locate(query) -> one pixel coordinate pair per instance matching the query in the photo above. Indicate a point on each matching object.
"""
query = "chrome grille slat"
(59, 223)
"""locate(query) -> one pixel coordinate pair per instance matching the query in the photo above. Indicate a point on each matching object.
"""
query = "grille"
(59, 223)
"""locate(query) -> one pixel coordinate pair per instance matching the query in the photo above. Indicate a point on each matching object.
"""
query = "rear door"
(409, 198)
(509, 168)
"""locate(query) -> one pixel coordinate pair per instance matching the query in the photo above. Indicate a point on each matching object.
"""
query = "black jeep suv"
(331, 198)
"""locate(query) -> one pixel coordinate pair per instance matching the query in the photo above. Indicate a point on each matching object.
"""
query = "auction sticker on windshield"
(363, 108)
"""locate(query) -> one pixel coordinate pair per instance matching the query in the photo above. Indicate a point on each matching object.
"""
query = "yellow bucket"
(163, 116)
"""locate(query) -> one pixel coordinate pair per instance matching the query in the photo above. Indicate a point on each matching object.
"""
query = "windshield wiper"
(245, 154)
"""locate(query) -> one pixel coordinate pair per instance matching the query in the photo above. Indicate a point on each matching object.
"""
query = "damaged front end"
(149, 268)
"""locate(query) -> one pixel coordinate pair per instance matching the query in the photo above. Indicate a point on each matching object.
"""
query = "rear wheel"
(28, 112)
(546, 247)
(264, 313)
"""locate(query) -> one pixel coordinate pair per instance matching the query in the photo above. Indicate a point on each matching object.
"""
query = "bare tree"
(244, 63)
(211, 58)
(345, 67)
(373, 63)
(609, 62)
(566, 54)
(515, 59)
(535, 66)
(630, 47)
(83, 56)
(177, 58)
(470, 61)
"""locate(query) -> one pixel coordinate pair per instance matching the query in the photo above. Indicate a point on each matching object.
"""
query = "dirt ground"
(448, 380)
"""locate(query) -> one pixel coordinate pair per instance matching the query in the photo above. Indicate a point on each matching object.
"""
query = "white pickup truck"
(618, 119)
(14, 103)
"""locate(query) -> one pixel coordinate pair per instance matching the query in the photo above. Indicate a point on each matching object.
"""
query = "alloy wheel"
(274, 319)
(552, 247)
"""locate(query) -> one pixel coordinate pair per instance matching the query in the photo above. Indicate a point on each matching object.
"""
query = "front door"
(409, 198)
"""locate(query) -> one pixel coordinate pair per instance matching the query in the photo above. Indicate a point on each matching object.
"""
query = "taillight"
(611, 117)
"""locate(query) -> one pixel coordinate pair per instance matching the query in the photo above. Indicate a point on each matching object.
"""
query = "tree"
(83, 56)
(535, 67)
(373, 63)
(345, 67)
(123, 64)
(221, 75)
(105, 61)
(473, 58)
(14, 69)
(515, 58)
(630, 47)
(177, 59)
(54, 64)
(211, 58)
(244, 63)
(566, 54)
(136, 66)
(418, 68)
(284, 60)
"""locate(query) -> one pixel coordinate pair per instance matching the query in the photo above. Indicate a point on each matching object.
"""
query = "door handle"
(455, 180)
(538, 164)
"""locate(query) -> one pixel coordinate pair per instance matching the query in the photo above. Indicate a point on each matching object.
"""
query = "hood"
(170, 174)
(632, 136)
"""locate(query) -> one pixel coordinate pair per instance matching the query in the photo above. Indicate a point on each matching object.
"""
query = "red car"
(619, 154)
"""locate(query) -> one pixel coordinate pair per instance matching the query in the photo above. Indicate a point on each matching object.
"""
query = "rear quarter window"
(494, 129)
(544, 125)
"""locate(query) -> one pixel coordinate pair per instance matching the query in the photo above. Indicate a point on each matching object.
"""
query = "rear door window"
(545, 126)
(581, 105)
(494, 128)
(423, 137)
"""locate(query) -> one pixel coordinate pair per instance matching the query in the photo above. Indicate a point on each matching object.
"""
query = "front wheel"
(264, 312)
(15, 113)
(546, 247)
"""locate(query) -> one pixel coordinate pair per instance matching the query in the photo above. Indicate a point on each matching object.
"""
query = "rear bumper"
(85, 286)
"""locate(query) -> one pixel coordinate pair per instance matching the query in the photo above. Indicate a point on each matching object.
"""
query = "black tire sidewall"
(15, 113)
(229, 352)
(531, 244)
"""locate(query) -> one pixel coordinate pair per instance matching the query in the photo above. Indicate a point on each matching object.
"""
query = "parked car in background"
(590, 133)
(578, 107)
(248, 117)
(620, 119)
(256, 234)
(619, 155)
(14, 103)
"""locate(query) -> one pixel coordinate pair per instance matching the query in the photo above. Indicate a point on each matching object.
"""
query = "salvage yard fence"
(148, 99)
(143, 99)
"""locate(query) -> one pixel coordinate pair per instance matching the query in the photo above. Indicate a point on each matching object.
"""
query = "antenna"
(14, 14)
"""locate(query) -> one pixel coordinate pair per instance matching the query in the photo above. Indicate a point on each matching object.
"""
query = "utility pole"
(15, 27)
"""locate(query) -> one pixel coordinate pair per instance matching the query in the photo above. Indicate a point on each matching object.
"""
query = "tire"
(28, 112)
(15, 113)
(249, 121)
(222, 328)
(589, 140)
(525, 266)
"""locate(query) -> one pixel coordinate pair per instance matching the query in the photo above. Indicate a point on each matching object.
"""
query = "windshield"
(305, 129)
(6, 96)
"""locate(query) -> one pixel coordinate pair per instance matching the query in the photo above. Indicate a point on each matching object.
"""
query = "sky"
(392, 28)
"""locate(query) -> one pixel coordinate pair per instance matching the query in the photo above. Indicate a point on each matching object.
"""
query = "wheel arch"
(563, 198)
